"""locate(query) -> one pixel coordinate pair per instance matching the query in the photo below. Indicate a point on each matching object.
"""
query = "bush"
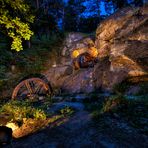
(19, 110)
(2, 71)
(67, 111)
(114, 103)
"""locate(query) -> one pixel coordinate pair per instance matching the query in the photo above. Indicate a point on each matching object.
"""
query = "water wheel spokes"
(31, 88)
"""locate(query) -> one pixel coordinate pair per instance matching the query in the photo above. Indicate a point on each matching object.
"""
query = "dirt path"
(79, 131)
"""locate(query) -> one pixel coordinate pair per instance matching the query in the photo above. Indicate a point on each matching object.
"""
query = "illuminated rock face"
(75, 41)
(123, 38)
(122, 43)
(80, 82)
(126, 24)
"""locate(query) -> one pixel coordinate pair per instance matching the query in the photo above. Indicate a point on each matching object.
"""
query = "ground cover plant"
(134, 111)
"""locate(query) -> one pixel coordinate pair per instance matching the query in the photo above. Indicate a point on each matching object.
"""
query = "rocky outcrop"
(123, 38)
(75, 41)
(57, 75)
(80, 81)
(122, 43)
(125, 24)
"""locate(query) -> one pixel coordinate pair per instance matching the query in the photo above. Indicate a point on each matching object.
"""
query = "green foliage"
(114, 103)
(14, 22)
(2, 71)
(18, 110)
(73, 10)
(67, 111)
(134, 111)
(39, 57)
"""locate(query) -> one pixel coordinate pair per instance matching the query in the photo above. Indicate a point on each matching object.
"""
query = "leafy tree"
(109, 8)
(72, 14)
(117, 4)
(15, 19)
(90, 17)
(47, 13)
(138, 2)
(88, 24)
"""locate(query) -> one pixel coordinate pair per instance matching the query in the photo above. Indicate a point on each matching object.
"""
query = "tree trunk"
(29, 43)
(63, 19)
(37, 4)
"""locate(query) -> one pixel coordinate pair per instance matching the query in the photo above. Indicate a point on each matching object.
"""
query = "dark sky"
(88, 12)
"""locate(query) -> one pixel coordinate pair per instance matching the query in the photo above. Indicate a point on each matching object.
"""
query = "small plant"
(20, 110)
(2, 71)
(111, 105)
(67, 111)
(114, 103)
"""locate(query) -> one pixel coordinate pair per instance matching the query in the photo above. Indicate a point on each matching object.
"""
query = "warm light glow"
(93, 52)
(75, 53)
(11, 125)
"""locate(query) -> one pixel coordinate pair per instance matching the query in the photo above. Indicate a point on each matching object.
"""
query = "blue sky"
(89, 12)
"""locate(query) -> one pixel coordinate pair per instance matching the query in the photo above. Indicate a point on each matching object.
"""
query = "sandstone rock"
(75, 41)
(128, 23)
(80, 81)
(12, 125)
(123, 39)
(57, 75)
(105, 78)
(131, 57)
(70, 41)
(122, 43)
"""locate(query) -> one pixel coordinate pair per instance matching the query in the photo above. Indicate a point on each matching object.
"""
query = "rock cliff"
(122, 43)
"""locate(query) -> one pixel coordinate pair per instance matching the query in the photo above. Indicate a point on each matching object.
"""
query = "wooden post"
(37, 4)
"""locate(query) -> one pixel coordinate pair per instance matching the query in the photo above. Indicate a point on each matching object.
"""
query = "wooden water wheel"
(84, 60)
(32, 88)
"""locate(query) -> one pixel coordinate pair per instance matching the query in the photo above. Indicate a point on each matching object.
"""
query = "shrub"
(2, 71)
(114, 103)
(19, 110)
(67, 111)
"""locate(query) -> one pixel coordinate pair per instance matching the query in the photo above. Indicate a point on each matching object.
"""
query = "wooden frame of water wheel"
(31, 88)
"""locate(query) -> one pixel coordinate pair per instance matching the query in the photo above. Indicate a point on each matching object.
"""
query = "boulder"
(80, 81)
(126, 24)
(130, 56)
(122, 43)
(57, 75)
(75, 41)
(123, 40)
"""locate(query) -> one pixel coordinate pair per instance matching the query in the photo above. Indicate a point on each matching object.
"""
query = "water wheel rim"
(26, 82)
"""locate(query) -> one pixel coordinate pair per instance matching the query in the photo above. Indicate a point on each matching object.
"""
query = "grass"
(134, 111)
(124, 86)
(20, 110)
(66, 111)
(26, 117)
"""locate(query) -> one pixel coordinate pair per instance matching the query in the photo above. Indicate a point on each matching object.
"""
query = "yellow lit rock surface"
(75, 53)
(12, 125)
(93, 51)
(121, 45)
